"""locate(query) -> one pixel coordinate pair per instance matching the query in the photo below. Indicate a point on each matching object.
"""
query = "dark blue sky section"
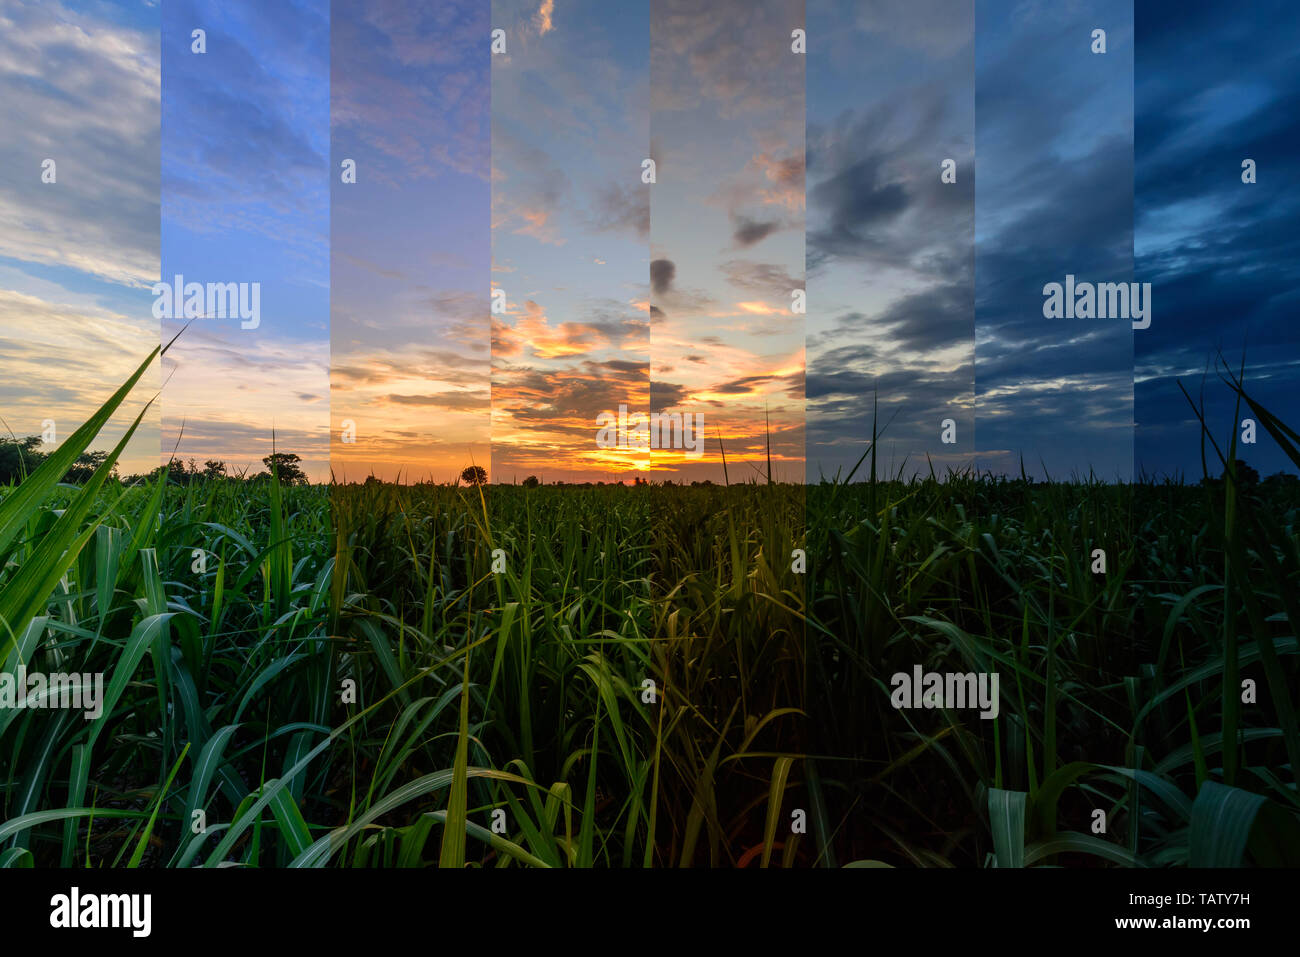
(1054, 196)
(1216, 84)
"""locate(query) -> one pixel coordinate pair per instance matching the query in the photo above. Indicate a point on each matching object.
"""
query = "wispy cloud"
(79, 88)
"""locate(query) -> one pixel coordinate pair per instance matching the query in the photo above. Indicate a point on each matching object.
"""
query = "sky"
(79, 85)
(727, 234)
(245, 135)
(1223, 255)
(570, 236)
(1054, 197)
(519, 175)
(410, 240)
(891, 320)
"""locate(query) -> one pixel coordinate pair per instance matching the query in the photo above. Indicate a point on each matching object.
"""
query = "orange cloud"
(534, 330)
(760, 309)
(543, 20)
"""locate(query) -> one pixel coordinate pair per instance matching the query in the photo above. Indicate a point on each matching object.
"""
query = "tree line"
(21, 457)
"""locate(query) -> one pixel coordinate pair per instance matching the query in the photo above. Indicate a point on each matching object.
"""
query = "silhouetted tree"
(1281, 481)
(474, 475)
(285, 464)
(19, 458)
(85, 466)
(1247, 477)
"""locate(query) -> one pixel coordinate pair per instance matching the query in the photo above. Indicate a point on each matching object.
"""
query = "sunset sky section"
(409, 253)
(570, 236)
(727, 233)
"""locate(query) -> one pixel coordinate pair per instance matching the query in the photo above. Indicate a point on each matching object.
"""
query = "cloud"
(84, 92)
(529, 201)
(546, 419)
(62, 360)
(480, 400)
(724, 53)
(1221, 254)
(1052, 200)
(936, 28)
(786, 174)
(662, 273)
(609, 327)
(401, 72)
(382, 370)
(859, 205)
(239, 90)
(621, 208)
(889, 247)
(229, 399)
(749, 232)
(666, 395)
(771, 279)
(543, 20)
(373, 267)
